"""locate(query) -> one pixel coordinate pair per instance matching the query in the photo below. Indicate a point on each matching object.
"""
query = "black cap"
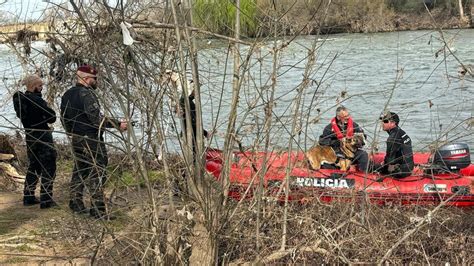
(391, 116)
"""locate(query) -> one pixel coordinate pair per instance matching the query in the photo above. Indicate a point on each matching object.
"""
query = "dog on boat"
(318, 154)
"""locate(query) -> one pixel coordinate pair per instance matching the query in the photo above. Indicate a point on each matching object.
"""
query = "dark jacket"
(399, 149)
(80, 112)
(192, 109)
(33, 111)
(329, 138)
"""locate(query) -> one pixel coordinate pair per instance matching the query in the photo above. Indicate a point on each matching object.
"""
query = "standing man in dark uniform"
(192, 114)
(398, 161)
(342, 126)
(35, 115)
(82, 120)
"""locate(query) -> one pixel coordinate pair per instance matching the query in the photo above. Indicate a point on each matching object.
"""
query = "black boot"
(46, 199)
(29, 200)
(77, 206)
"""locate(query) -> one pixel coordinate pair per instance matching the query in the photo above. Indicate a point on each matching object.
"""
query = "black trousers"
(194, 134)
(42, 165)
(90, 162)
(400, 171)
(361, 158)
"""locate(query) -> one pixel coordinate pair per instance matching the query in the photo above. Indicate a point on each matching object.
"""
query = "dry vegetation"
(201, 226)
(302, 17)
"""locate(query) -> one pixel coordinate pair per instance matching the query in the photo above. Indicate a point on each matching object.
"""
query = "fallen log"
(6, 157)
(10, 171)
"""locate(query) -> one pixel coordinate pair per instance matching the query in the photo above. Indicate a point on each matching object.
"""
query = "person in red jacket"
(342, 126)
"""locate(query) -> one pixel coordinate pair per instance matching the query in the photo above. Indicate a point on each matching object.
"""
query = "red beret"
(87, 69)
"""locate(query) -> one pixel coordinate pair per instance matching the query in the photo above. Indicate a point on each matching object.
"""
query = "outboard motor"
(450, 158)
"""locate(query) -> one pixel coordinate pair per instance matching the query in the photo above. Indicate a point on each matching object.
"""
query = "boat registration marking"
(435, 188)
(324, 182)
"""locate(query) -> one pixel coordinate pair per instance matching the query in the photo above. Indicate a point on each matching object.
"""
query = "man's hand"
(392, 167)
(123, 126)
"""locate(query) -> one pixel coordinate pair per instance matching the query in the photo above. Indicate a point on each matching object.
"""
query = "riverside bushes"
(306, 16)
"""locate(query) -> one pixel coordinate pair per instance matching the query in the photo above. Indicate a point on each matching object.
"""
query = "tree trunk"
(236, 84)
(461, 11)
(204, 248)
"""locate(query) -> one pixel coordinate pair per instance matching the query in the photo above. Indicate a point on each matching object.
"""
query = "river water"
(408, 72)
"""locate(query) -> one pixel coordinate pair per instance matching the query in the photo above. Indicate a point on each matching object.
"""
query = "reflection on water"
(366, 72)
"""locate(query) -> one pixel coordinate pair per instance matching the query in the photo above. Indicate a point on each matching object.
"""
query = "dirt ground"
(55, 236)
(31, 235)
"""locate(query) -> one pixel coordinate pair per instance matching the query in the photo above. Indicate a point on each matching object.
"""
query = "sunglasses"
(385, 121)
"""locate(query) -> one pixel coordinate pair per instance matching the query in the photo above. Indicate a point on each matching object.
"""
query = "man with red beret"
(35, 115)
(83, 121)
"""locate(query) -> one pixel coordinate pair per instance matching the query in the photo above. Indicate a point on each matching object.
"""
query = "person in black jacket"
(342, 126)
(398, 161)
(83, 122)
(192, 114)
(35, 115)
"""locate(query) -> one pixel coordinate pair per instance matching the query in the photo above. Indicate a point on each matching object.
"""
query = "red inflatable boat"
(426, 185)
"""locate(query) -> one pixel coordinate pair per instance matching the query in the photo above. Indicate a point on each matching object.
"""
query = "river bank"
(390, 23)
(263, 18)
(290, 18)
(403, 22)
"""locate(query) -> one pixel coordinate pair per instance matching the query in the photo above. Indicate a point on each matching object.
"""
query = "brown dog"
(318, 154)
